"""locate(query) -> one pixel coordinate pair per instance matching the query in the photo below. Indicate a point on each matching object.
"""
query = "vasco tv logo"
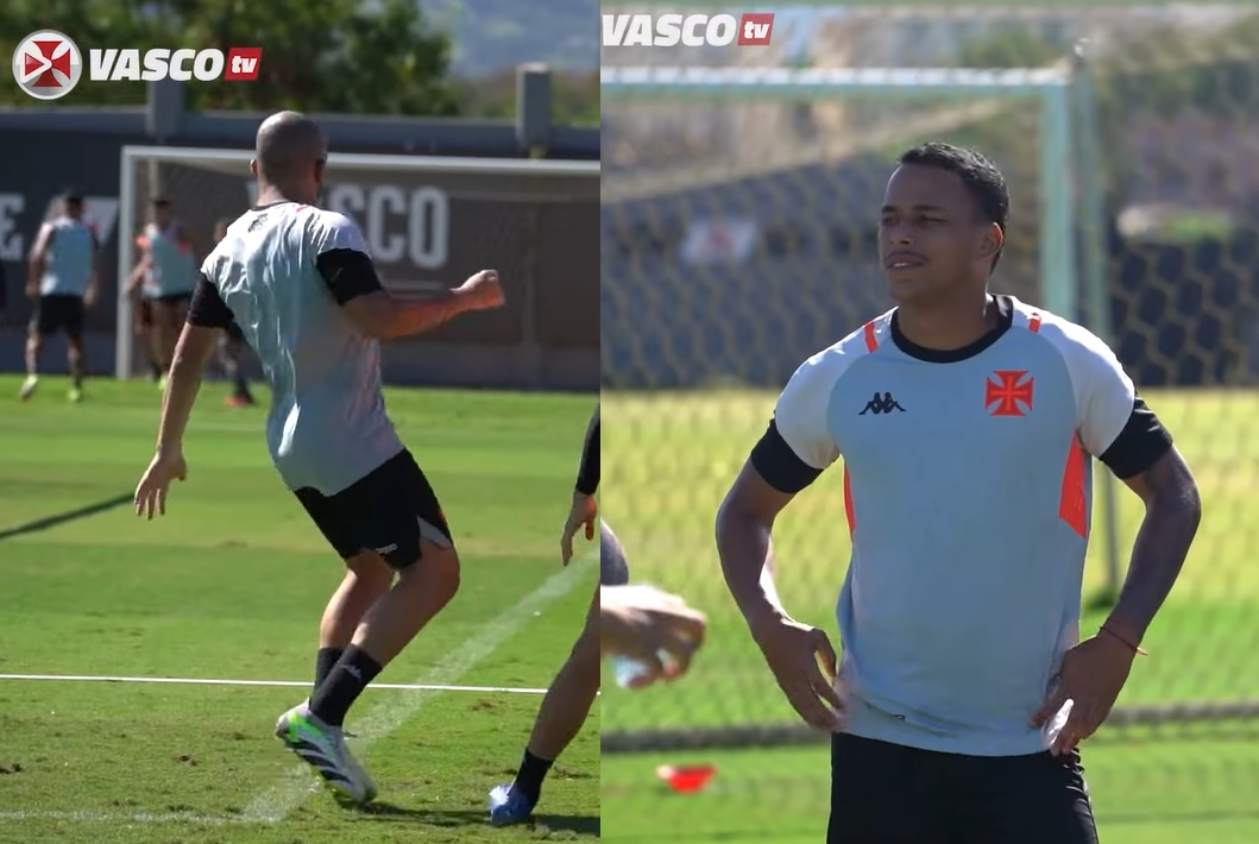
(47, 64)
(750, 30)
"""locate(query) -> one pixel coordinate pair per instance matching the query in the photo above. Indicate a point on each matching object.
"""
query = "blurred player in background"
(966, 421)
(165, 277)
(300, 284)
(63, 279)
(571, 693)
(232, 347)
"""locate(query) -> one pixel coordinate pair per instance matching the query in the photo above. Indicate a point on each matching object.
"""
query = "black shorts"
(388, 511)
(59, 311)
(165, 299)
(234, 332)
(146, 313)
(885, 793)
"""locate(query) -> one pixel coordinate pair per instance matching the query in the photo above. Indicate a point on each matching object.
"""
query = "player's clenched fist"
(483, 290)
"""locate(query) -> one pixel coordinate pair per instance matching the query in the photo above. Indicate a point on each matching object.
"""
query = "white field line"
(275, 802)
(212, 681)
(122, 818)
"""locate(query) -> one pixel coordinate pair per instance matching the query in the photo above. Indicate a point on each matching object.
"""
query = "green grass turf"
(669, 458)
(230, 584)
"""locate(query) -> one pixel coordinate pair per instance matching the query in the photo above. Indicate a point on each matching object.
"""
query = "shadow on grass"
(388, 812)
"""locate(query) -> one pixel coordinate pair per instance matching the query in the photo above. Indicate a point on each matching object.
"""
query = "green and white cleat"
(76, 394)
(28, 387)
(323, 747)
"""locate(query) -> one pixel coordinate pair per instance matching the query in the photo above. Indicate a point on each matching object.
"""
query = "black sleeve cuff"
(588, 474)
(348, 273)
(207, 309)
(779, 465)
(1142, 441)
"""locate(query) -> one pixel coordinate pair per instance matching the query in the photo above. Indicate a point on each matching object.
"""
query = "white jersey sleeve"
(330, 230)
(1104, 394)
(800, 414)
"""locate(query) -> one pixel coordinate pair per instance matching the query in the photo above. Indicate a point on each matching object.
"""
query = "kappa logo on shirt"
(878, 405)
(1008, 393)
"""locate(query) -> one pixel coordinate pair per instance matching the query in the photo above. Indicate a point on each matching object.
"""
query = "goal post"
(1050, 87)
(429, 221)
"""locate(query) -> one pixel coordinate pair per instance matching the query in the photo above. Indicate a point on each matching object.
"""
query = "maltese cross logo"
(47, 64)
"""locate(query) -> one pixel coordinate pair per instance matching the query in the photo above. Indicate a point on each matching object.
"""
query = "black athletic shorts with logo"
(388, 511)
(884, 793)
(58, 311)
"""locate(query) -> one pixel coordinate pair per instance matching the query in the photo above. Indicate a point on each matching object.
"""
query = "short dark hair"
(72, 194)
(160, 202)
(980, 176)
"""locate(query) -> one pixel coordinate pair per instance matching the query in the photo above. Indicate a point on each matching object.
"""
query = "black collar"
(271, 204)
(1005, 310)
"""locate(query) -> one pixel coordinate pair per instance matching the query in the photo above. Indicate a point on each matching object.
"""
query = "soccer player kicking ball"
(569, 697)
(967, 490)
(299, 283)
(63, 276)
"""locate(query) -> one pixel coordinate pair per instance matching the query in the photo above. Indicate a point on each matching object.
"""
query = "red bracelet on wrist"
(1137, 648)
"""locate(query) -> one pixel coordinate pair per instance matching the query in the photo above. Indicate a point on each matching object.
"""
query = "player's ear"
(253, 167)
(992, 241)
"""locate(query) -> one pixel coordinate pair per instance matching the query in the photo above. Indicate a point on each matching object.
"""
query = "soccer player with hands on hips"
(967, 422)
(299, 283)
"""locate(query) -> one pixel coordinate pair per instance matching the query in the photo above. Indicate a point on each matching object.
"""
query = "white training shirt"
(327, 427)
(68, 260)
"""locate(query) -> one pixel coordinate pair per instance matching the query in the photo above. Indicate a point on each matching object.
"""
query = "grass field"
(230, 584)
(669, 457)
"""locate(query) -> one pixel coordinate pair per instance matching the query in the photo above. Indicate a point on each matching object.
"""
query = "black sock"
(345, 682)
(533, 769)
(326, 658)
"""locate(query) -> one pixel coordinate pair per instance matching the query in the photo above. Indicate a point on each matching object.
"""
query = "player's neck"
(268, 194)
(949, 324)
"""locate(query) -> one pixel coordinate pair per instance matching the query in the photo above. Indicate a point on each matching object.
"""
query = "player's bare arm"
(1173, 509)
(792, 649)
(137, 275)
(195, 346)
(584, 509)
(386, 317)
(93, 280)
(39, 257)
(1094, 672)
